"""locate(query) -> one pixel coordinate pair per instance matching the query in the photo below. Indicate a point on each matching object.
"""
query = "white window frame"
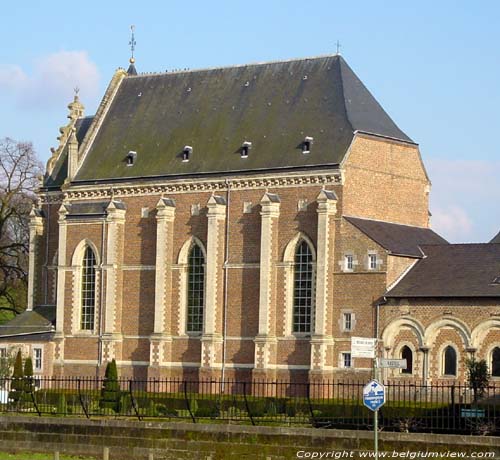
(372, 257)
(348, 262)
(343, 320)
(34, 349)
(344, 357)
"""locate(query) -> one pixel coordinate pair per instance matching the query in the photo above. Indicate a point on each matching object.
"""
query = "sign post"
(374, 399)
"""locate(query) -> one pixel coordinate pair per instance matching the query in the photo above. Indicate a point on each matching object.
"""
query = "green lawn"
(30, 456)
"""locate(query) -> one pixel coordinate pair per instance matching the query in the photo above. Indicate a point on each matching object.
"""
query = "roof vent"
(131, 157)
(186, 153)
(306, 145)
(245, 147)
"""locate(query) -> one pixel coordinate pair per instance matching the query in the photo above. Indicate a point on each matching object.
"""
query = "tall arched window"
(195, 289)
(450, 361)
(495, 362)
(407, 354)
(303, 288)
(88, 290)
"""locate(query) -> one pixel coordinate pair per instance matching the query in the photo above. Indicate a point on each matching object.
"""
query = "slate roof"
(91, 208)
(404, 240)
(38, 321)
(273, 105)
(453, 270)
(496, 239)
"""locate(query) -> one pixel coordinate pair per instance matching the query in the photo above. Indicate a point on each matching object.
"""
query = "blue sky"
(434, 66)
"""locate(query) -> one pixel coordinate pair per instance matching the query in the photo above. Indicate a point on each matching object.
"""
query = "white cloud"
(452, 222)
(464, 198)
(52, 81)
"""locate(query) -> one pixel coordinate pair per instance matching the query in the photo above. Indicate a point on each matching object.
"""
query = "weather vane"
(338, 47)
(76, 90)
(132, 44)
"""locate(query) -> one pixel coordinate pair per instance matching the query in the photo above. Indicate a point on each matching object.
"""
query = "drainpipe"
(383, 301)
(226, 271)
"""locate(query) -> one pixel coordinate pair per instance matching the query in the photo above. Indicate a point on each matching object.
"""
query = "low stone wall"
(133, 440)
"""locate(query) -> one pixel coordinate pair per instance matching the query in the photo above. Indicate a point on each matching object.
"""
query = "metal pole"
(375, 437)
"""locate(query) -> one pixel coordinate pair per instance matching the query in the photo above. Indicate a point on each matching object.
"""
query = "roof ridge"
(235, 66)
(341, 79)
(387, 222)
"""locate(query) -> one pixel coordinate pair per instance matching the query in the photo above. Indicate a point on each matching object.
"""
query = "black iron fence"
(439, 408)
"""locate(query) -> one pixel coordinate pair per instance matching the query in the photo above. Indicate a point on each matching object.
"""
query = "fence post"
(35, 404)
(246, 403)
(132, 400)
(80, 397)
(308, 395)
(187, 402)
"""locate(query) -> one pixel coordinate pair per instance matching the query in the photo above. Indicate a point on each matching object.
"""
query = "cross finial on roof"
(132, 44)
(338, 47)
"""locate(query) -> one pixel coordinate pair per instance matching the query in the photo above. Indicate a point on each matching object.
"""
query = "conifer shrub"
(17, 383)
(29, 381)
(110, 392)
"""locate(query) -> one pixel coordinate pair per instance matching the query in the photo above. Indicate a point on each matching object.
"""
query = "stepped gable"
(60, 171)
(275, 106)
(403, 240)
(453, 270)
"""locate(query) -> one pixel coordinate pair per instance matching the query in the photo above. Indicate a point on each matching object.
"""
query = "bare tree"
(19, 177)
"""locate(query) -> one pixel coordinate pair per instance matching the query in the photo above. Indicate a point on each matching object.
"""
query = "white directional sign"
(374, 395)
(392, 363)
(362, 347)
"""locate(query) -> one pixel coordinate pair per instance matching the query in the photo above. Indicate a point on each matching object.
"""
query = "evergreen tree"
(110, 392)
(477, 376)
(29, 381)
(17, 382)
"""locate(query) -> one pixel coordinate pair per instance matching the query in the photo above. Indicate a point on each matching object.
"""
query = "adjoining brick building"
(240, 222)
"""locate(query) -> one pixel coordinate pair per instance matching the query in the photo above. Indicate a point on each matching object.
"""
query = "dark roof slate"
(273, 105)
(40, 320)
(453, 270)
(404, 240)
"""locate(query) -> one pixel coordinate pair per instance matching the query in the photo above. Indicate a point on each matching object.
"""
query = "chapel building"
(245, 222)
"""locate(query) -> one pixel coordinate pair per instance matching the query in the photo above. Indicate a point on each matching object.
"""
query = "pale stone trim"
(270, 211)
(164, 242)
(115, 221)
(61, 274)
(327, 207)
(189, 185)
(433, 330)
(479, 333)
(35, 231)
(288, 264)
(92, 362)
(216, 214)
(441, 361)
(182, 266)
(76, 269)
(394, 327)
(138, 267)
